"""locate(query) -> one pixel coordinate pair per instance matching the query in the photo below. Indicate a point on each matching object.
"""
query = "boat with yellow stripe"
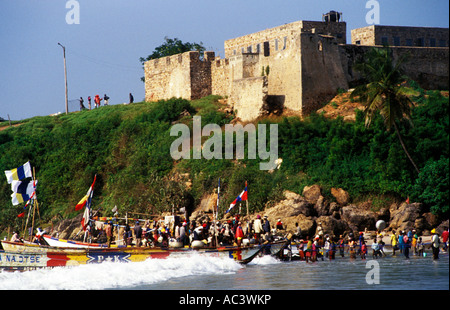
(20, 256)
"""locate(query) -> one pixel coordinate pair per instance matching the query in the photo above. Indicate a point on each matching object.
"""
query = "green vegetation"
(127, 146)
(385, 93)
(172, 47)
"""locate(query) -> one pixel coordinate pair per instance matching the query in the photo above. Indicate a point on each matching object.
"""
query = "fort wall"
(401, 36)
(429, 67)
(297, 66)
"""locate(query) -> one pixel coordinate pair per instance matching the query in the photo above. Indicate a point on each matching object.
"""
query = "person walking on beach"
(445, 239)
(341, 245)
(394, 243)
(363, 250)
(401, 241)
(435, 244)
(406, 245)
(420, 246)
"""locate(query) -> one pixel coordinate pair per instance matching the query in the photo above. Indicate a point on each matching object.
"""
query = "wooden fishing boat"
(57, 242)
(17, 256)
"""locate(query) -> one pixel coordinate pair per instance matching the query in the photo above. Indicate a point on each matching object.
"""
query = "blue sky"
(103, 50)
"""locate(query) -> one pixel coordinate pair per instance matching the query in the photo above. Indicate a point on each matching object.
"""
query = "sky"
(103, 49)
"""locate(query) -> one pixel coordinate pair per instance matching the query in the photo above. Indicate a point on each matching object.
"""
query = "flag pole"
(216, 214)
(34, 205)
(246, 202)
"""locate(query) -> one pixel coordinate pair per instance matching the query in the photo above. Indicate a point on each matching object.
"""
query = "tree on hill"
(384, 93)
(172, 47)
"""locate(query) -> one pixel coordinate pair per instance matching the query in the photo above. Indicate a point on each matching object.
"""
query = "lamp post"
(65, 76)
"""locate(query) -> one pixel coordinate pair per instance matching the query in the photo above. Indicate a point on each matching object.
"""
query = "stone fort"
(298, 66)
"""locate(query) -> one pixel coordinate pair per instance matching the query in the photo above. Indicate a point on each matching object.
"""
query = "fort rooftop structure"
(297, 66)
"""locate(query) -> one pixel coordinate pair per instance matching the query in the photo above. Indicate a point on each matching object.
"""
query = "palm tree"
(384, 92)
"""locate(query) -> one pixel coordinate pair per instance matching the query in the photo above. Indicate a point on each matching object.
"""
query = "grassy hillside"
(128, 147)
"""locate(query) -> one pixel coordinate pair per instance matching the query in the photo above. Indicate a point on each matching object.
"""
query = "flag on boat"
(241, 197)
(84, 200)
(23, 191)
(19, 173)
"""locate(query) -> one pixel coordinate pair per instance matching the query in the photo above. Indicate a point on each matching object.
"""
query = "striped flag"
(241, 197)
(84, 200)
(22, 191)
(19, 173)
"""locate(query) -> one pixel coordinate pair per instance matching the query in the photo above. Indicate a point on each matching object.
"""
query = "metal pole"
(65, 76)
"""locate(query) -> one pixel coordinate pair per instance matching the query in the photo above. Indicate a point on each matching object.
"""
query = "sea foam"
(116, 275)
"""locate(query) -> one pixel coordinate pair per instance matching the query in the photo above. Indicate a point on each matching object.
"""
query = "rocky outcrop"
(358, 219)
(404, 217)
(312, 209)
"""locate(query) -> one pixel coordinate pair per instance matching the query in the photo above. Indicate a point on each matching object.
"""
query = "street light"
(65, 76)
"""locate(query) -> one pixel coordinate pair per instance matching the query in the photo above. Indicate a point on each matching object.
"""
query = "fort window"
(384, 41)
(396, 41)
(234, 52)
(266, 49)
(284, 43)
(242, 50)
(249, 49)
(419, 42)
(276, 44)
(258, 48)
(432, 42)
(358, 42)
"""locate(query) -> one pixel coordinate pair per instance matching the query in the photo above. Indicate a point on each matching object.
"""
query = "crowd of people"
(98, 101)
(260, 230)
(234, 232)
(208, 232)
(324, 245)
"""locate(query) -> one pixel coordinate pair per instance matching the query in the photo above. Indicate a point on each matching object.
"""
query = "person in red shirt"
(445, 238)
(239, 234)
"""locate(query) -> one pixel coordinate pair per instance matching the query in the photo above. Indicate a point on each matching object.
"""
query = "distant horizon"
(103, 50)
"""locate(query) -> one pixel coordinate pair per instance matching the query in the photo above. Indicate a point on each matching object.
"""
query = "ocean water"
(263, 273)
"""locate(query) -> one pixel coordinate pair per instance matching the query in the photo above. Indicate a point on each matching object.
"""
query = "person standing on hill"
(131, 98)
(82, 107)
(106, 98)
(97, 101)
(89, 102)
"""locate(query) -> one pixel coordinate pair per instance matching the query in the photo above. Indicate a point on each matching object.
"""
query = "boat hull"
(24, 256)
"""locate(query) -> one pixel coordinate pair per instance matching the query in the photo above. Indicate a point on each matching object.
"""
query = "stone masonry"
(297, 66)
